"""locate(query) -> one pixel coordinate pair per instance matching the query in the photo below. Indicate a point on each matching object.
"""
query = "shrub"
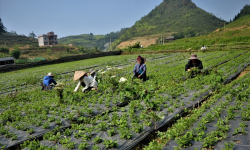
(15, 53)
(4, 50)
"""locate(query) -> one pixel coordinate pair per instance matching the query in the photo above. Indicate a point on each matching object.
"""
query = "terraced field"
(121, 115)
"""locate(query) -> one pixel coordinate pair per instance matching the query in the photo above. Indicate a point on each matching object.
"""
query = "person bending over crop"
(86, 81)
(193, 62)
(92, 73)
(47, 81)
(140, 68)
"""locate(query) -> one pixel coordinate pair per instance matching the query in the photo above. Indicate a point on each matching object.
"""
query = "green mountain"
(235, 35)
(181, 16)
(243, 12)
(10, 40)
(90, 41)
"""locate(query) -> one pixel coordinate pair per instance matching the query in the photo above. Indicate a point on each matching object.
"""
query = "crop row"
(151, 103)
(220, 123)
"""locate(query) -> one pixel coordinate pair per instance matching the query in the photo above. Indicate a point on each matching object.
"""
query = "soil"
(145, 41)
(244, 72)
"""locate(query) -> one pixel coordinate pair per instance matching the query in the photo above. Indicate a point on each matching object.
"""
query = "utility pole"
(110, 45)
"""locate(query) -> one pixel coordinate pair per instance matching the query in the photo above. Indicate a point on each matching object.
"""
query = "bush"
(33, 54)
(136, 45)
(15, 53)
(4, 50)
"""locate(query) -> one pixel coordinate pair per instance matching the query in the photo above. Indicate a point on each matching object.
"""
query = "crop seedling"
(137, 128)
(110, 144)
(58, 121)
(83, 146)
(86, 137)
(97, 140)
(103, 126)
(79, 134)
(95, 147)
(46, 125)
(228, 146)
(111, 132)
(67, 132)
(184, 141)
(67, 143)
(51, 119)
(30, 131)
(125, 133)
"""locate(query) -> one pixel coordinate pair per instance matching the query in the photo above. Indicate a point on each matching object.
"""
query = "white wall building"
(47, 39)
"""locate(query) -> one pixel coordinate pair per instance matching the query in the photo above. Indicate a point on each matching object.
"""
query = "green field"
(120, 115)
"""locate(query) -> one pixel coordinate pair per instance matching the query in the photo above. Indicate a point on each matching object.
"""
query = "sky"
(75, 17)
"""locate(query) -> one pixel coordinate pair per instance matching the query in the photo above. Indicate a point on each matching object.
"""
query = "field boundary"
(7, 68)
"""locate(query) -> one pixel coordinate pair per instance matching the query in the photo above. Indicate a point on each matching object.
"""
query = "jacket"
(88, 81)
(140, 68)
(47, 80)
(190, 65)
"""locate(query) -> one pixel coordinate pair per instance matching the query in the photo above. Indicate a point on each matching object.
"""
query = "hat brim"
(193, 58)
(78, 75)
(92, 72)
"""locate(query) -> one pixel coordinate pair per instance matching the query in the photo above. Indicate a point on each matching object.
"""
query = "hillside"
(90, 41)
(233, 35)
(173, 16)
(243, 12)
(10, 40)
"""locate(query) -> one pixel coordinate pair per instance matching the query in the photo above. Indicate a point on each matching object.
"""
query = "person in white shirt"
(203, 47)
(86, 81)
(92, 73)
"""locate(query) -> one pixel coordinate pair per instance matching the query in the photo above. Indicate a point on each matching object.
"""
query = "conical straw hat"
(78, 75)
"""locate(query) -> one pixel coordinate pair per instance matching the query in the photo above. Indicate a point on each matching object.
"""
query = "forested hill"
(174, 16)
(244, 12)
(90, 41)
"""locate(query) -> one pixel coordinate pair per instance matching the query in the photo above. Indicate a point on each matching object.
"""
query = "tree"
(4, 50)
(2, 28)
(32, 35)
(15, 53)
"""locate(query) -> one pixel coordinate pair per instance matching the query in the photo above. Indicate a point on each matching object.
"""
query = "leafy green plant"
(30, 131)
(184, 141)
(228, 146)
(95, 147)
(67, 132)
(97, 140)
(110, 143)
(67, 143)
(83, 146)
(125, 133)
(111, 132)
(46, 125)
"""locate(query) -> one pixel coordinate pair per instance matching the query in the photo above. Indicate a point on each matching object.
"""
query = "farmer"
(92, 73)
(140, 68)
(47, 81)
(193, 62)
(86, 81)
(203, 47)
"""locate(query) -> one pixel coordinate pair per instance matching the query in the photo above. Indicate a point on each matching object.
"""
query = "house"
(47, 39)
(170, 38)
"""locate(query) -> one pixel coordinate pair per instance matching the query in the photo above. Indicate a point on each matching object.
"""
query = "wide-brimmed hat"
(50, 74)
(193, 56)
(91, 71)
(78, 75)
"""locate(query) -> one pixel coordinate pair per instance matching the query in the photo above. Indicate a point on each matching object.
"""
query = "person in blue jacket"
(140, 69)
(47, 81)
